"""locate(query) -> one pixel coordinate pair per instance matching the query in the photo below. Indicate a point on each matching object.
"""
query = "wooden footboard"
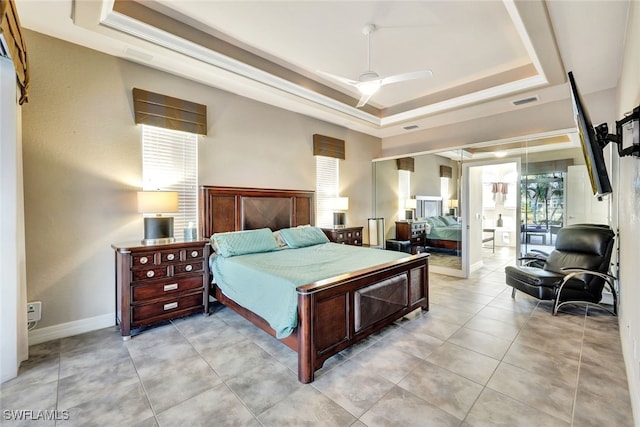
(446, 244)
(339, 312)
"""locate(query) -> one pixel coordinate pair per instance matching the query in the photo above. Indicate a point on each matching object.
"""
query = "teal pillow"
(300, 237)
(244, 242)
(449, 220)
(434, 222)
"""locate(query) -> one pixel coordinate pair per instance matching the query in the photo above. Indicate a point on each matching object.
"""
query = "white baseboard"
(69, 329)
(476, 266)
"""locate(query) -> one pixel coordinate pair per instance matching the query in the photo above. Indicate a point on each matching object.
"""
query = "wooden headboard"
(234, 208)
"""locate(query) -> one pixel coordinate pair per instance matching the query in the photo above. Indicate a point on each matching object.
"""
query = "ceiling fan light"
(369, 88)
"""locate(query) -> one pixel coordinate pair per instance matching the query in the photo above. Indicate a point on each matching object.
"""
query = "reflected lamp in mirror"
(410, 206)
(158, 229)
(453, 207)
(339, 206)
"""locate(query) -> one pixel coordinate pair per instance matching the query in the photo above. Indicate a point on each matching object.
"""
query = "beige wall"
(82, 166)
(627, 187)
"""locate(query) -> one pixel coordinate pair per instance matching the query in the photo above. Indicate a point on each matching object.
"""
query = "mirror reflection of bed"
(444, 239)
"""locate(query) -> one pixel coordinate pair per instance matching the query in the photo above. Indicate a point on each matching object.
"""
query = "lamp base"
(158, 230)
(339, 220)
(153, 242)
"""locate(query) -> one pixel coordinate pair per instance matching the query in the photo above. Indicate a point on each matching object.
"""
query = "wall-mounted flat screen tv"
(591, 146)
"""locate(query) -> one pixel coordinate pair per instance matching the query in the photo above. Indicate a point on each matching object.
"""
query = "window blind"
(170, 163)
(404, 191)
(327, 174)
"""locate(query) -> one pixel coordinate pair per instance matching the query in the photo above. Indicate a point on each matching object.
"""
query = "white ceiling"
(483, 54)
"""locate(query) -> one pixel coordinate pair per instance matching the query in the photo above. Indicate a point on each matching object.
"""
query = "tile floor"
(477, 358)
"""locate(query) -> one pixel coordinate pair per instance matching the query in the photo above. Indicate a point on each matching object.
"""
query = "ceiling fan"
(369, 82)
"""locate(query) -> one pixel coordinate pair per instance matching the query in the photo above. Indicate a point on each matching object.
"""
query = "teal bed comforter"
(452, 232)
(265, 283)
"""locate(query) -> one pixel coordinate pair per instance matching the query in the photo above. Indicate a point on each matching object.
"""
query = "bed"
(331, 313)
(445, 231)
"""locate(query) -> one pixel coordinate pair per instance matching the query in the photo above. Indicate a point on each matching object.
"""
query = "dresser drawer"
(149, 273)
(166, 308)
(188, 267)
(165, 287)
(142, 259)
(194, 253)
(169, 256)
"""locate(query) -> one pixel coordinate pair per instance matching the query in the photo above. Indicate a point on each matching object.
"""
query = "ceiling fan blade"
(364, 99)
(406, 76)
(338, 78)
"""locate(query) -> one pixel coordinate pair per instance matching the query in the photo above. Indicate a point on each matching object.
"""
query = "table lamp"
(410, 206)
(158, 229)
(453, 207)
(339, 206)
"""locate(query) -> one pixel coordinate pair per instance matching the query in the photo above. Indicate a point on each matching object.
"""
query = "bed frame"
(432, 206)
(333, 313)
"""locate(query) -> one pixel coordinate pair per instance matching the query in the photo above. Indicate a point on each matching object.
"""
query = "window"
(326, 189)
(404, 191)
(170, 163)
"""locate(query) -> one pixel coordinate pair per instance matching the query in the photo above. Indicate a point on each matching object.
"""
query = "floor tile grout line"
(222, 380)
(58, 380)
(144, 389)
(575, 394)
(485, 386)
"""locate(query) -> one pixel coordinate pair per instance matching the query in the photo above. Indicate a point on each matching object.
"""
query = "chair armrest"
(573, 271)
(526, 260)
(546, 254)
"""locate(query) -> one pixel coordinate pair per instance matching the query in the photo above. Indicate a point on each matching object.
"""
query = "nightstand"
(347, 235)
(160, 282)
(413, 231)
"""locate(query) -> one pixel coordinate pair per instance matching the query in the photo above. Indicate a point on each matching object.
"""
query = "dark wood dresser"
(159, 282)
(347, 235)
(413, 231)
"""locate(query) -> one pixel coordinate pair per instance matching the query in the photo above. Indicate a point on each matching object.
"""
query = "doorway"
(490, 210)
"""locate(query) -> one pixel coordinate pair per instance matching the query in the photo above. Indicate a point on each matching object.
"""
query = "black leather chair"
(575, 272)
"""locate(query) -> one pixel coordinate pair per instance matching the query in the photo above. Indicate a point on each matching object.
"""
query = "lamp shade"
(157, 201)
(339, 204)
(453, 203)
(410, 204)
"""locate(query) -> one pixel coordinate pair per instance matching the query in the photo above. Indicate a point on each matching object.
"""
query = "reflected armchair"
(575, 272)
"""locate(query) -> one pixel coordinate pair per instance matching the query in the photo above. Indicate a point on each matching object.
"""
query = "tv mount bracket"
(604, 137)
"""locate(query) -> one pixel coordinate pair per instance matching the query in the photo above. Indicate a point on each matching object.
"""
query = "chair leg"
(513, 292)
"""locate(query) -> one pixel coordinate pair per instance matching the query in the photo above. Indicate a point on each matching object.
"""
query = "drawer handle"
(171, 287)
(194, 254)
(144, 260)
(188, 267)
(171, 257)
(171, 306)
(151, 273)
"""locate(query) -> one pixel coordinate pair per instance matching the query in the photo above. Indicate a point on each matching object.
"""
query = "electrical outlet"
(34, 311)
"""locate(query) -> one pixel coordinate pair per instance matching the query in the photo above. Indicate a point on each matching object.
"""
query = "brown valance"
(551, 166)
(328, 147)
(446, 171)
(13, 46)
(170, 113)
(405, 164)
